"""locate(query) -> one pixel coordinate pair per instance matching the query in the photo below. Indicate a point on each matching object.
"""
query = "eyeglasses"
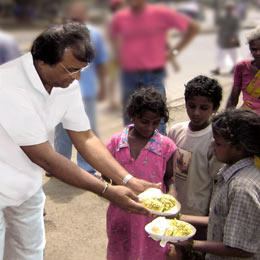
(74, 72)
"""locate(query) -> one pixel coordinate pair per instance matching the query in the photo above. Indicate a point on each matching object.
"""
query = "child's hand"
(138, 185)
(188, 244)
(174, 253)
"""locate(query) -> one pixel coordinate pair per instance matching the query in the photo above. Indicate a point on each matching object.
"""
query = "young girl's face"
(147, 123)
(199, 110)
(225, 152)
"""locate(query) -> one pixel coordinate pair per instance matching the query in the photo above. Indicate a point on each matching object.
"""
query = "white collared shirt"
(28, 116)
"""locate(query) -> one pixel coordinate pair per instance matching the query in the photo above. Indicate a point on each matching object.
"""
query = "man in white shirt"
(38, 91)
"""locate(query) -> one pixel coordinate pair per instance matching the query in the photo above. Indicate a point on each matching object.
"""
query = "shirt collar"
(228, 171)
(154, 145)
(32, 74)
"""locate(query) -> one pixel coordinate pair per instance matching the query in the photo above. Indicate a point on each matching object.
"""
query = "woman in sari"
(247, 76)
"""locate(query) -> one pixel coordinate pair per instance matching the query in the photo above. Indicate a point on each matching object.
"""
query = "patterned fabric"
(243, 75)
(127, 237)
(235, 209)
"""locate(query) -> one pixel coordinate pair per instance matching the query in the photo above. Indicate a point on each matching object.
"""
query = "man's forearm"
(95, 153)
(62, 168)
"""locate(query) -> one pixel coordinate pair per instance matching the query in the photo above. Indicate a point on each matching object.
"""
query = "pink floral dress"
(127, 239)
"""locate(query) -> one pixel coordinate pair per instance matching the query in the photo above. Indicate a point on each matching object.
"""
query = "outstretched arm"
(65, 170)
(95, 153)
(216, 248)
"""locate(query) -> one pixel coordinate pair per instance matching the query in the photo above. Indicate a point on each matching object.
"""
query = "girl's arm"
(169, 178)
(216, 248)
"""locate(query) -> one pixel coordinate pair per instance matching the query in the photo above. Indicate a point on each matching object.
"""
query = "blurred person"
(227, 37)
(38, 91)
(247, 76)
(91, 82)
(113, 66)
(9, 49)
(143, 151)
(115, 5)
(139, 35)
(191, 8)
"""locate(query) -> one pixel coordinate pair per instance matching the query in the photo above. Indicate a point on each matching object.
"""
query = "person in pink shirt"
(247, 76)
(139, 36)
(146, 154)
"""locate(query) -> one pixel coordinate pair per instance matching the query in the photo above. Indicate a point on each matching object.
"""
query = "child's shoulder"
(178, 127)
(115, 139)
(167, 142)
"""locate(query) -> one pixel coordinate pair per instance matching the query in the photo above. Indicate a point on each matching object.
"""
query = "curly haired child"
(146, 154)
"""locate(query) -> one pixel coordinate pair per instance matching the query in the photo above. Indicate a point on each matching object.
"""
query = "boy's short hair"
(204, 86)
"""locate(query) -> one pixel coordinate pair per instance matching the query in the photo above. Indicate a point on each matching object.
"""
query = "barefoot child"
(146, 154)
(233, 222)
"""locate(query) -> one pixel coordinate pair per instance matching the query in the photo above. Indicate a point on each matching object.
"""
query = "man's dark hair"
(50, 45)
(147, 98)
(204, 86)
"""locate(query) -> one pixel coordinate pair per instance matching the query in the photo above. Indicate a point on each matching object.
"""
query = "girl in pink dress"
(145, 154)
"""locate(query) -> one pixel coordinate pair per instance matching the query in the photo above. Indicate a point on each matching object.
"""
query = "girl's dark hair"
(204, 86)
(50, 45)
(144, 99)
(240, 127)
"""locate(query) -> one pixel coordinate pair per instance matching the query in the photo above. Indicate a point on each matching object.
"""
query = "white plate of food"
(169, 230)
(159, 203)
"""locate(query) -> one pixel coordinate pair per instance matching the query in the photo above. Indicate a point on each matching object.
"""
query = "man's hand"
(125, 199)
(139, 185)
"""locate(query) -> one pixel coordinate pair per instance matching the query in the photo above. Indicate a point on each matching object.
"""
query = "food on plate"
(178, 228)
(159, 226)
(163, 203)
(165, 230)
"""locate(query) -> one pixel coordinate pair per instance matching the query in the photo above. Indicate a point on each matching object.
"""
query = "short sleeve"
(169, 147)
(75, 118)
(20, 119)
(243, 218)
(174, 19)
(112, 144)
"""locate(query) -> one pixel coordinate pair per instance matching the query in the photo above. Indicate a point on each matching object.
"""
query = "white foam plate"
(163, 223)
